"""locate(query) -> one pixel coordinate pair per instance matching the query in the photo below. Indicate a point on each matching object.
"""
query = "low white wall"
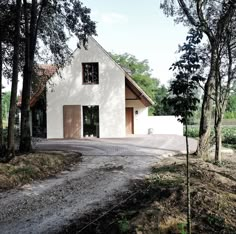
(158, 124)
(164, 125)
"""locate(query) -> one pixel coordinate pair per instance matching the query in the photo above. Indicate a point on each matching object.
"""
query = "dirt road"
(107, 168)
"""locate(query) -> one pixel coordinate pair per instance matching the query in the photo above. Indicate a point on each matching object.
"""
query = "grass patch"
(159, 205)
(26, 168)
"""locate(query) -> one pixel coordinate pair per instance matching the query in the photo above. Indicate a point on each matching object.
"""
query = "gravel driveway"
(107, 167)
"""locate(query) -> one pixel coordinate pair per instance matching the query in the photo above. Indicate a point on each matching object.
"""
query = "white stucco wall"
(164, 125)
(140, 118)
(109, 94)
(158, 124)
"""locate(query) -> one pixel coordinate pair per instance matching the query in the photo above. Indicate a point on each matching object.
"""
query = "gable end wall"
(109, 94)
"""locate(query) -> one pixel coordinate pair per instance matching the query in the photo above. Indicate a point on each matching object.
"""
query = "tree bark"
(206, 113)
(25, 136)
(12, 110)
(1, 127)
(31, 40)
(25, 140)
(188, 182)
(218, 141)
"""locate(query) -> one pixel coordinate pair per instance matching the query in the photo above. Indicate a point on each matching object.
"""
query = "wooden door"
(129, 120)
(72, 121)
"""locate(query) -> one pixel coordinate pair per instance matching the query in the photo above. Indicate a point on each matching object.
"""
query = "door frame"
(82, 120)
(132, 119)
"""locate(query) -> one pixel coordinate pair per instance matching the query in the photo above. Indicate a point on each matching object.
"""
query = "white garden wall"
(164, 125)
(143, 124)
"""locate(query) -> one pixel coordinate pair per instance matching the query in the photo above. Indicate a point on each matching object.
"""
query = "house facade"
(94, 96)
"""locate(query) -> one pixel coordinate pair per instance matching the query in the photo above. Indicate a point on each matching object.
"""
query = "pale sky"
(140, 28)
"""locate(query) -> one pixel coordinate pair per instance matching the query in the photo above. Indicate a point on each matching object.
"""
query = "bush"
(193, 131)
(228, 134)
(230, 115)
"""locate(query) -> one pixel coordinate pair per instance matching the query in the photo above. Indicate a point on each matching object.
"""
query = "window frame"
(83, 75)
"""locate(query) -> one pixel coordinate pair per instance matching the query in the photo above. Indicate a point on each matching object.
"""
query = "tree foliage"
(6, 105)
(141, 73)
(34, 32)
(183, 92)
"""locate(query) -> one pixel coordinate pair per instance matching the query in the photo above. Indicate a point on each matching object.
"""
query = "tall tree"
(15, 71)
(51, 23)
(211, 18)
(1, 65)
(226, 76)
(183, 95)
(2, 38)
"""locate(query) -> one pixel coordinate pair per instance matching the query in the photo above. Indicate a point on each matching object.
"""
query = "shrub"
(193, 131)
(228, 134)
(230, 115)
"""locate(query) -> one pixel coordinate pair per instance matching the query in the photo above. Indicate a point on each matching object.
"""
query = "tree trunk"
(188, 182)
(25, 136)
(206, 113)
(25, 141)
(12, 110)
(1, 127)
(218, 142)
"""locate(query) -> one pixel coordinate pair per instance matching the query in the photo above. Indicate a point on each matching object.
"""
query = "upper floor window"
(90, 73)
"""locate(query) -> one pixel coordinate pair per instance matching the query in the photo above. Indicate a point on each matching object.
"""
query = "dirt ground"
(158, 204)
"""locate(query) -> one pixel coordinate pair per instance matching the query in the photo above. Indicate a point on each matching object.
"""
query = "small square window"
(90, 73)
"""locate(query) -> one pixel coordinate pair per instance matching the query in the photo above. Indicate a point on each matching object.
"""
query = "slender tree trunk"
(12, 110)
(31, 39)
(25, 137)
(1, 127)
(218, 141)
(218, 118)
(188, 182)
(206, 113)
(25, 141)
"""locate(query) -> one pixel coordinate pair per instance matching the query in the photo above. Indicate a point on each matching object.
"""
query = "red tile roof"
(44, 72)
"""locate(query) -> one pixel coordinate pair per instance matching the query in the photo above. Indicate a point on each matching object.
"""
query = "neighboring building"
(93, 96)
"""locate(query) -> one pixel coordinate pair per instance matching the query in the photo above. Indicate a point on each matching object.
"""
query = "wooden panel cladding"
(129, 120)
(72, 121)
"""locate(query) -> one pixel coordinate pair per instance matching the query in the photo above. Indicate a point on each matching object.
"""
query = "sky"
(137, 27)
(140, 28)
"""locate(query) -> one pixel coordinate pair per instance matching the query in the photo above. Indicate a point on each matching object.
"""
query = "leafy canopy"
(141, 73)
(183, 89)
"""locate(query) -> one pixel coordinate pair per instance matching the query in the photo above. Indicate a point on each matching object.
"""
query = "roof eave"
(145, 99)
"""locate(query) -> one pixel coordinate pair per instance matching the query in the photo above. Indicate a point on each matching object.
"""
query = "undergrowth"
(26, 168)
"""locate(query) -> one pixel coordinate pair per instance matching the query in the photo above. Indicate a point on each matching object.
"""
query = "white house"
(94, 96)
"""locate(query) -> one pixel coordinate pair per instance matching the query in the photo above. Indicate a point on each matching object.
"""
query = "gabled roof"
(144, 98)
(46, 71)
